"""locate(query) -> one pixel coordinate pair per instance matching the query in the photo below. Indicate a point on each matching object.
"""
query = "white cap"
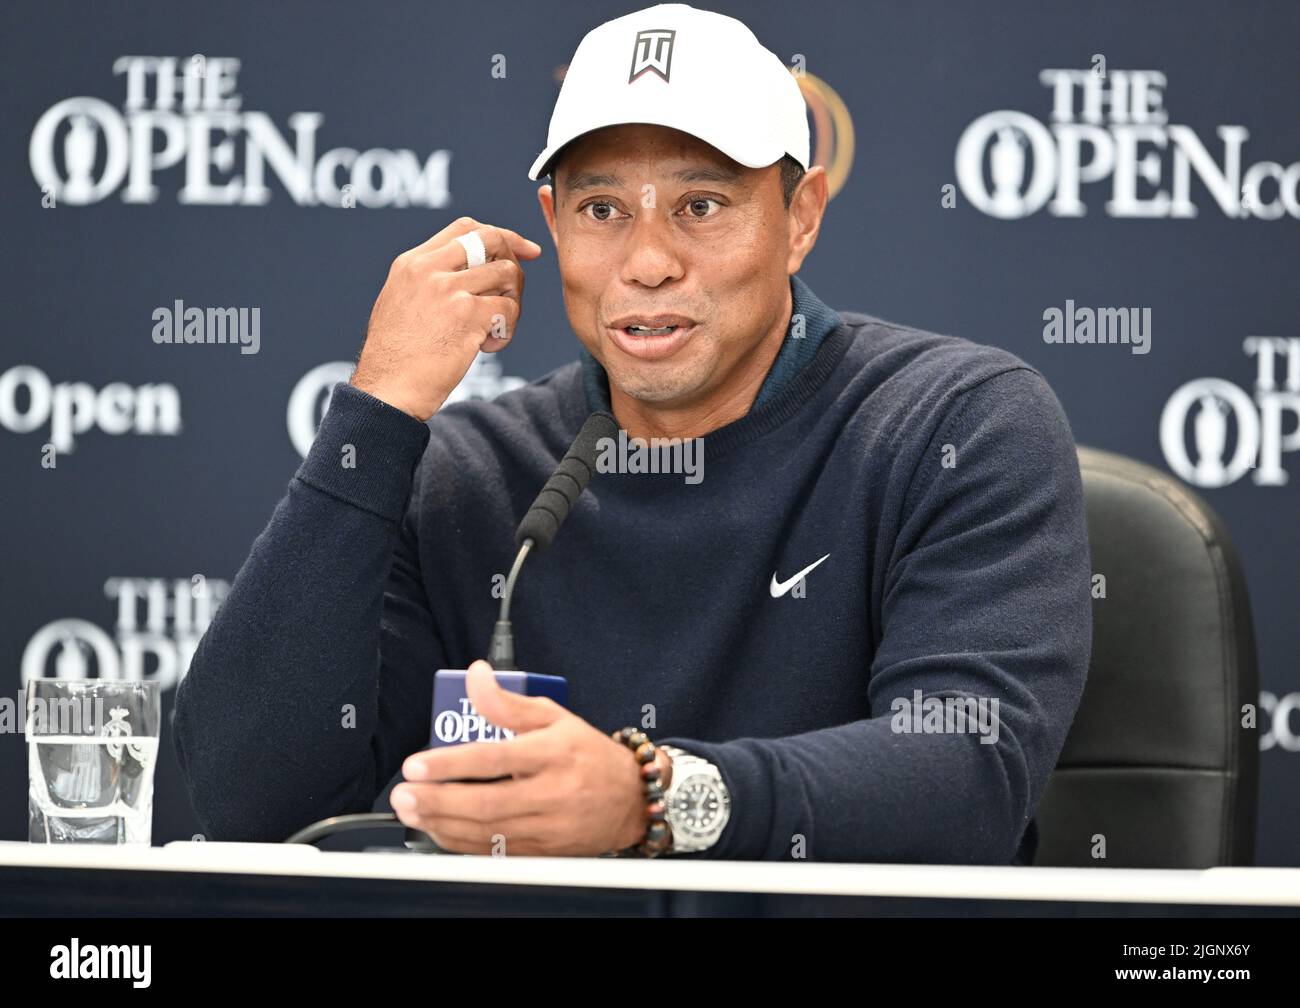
(696, 71)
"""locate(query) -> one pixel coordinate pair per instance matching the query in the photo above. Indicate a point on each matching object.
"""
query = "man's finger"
(522, 836)
(452, 256)
(521, 756)
(499, 243)
(481, 802)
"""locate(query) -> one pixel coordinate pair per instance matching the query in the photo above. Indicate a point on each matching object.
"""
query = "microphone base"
(501, 649)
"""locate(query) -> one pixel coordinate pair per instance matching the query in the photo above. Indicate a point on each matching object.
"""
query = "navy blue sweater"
(936, 475)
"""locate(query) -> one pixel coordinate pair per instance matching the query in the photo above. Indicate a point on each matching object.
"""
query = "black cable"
(416, 840)
(342, 823)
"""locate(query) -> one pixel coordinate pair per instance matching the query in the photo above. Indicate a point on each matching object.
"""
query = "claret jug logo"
(157, 629)
(1212, 432)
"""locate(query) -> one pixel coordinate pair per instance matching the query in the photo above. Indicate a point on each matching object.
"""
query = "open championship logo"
(185, 111)
(1113, 126)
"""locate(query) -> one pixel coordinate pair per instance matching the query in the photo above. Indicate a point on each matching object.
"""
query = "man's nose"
(652, 253)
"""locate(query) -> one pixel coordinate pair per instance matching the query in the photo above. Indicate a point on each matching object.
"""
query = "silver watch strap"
(682, 760)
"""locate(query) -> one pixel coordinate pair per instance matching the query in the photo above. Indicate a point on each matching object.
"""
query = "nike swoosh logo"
(779, 588)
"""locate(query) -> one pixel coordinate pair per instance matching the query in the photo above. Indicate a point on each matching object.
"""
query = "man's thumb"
(502, 707)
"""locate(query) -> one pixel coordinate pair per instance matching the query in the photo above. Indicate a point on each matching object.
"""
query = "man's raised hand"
(434, 315)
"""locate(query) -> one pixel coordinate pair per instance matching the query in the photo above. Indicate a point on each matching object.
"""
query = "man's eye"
(691, 206)
(600, 203)
(605, 211)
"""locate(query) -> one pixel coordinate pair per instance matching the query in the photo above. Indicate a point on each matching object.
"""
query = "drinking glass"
(91, 749)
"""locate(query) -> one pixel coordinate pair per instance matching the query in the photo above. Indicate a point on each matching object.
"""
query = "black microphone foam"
(566, 484)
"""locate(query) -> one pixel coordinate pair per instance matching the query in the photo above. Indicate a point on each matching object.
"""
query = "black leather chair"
(1157, 761)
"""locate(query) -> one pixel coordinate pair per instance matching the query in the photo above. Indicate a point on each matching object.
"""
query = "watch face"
(697, 807)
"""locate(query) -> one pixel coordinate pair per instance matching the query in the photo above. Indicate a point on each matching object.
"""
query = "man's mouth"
(653, 337)
(636, 330)
(652, 325)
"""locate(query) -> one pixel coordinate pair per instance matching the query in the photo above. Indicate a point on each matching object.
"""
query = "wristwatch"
(697, 804)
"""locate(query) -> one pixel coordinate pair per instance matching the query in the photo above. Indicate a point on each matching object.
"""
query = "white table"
(1238, 887)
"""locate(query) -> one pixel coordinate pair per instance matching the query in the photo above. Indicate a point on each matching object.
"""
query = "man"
(890, 527)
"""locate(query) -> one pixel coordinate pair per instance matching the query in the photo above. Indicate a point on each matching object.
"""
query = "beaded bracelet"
(657, 837)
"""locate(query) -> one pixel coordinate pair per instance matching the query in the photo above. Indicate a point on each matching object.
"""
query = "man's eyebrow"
(707, 175)
(579, 181)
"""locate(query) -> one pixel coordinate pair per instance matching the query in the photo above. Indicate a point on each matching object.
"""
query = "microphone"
(566, 484)
(453, 720)
(543, 520)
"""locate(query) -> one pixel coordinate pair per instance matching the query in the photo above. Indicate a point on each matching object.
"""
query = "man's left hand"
(573, 790)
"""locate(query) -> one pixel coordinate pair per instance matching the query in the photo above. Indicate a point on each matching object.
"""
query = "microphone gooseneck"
(543, 520)
(501, 652)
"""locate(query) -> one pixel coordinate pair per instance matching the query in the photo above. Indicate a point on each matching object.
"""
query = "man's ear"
(807, 207)
(546, 199)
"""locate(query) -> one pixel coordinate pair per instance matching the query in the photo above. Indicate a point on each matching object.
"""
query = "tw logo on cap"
(653, 51)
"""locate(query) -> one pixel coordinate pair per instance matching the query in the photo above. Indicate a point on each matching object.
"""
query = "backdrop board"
(1021, 173)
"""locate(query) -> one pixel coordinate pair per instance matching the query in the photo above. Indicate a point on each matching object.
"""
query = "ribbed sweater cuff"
(365, 453)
